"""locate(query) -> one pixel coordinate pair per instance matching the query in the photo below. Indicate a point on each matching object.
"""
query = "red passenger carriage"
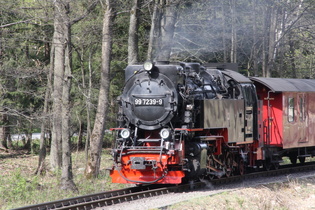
(288, 118)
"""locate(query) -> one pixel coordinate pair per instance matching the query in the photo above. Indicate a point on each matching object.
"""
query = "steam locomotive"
(185, 121)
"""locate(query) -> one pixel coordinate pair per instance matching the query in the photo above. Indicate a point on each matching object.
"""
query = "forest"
(62, 61)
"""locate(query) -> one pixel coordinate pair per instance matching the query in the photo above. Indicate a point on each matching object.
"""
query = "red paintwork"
(172, 177)
(272, 116)
(277, 130)
(133, 176)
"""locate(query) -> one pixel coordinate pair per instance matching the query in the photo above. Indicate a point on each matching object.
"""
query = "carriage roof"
(286, 85)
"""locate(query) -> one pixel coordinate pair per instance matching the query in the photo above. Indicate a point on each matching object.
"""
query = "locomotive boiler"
(185, 121)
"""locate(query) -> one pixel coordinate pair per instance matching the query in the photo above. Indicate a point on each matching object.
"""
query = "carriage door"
(250, 98)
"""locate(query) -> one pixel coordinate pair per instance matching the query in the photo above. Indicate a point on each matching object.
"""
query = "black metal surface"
(236, 76)
(149, 100)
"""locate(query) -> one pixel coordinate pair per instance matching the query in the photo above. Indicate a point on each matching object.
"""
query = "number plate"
(149, 102)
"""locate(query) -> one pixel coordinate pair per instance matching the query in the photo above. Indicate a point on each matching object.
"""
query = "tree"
(155, 24)
(94, 157)
(60, 42)
(133, 33)
(60, 147)
(4, 131)
(21, 63)
(44, 124)
(233, 33)
(167, 30)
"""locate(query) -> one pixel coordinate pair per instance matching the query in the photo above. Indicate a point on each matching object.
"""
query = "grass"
(20, 187)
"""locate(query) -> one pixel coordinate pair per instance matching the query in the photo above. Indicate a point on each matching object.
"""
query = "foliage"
(23, 55)
(203, 34)
(18, 187)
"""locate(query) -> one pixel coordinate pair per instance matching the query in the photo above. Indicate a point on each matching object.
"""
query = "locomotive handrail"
(188, 129)
(149, 96)
(149, 140)
(143, 152)
(144, 147)
(209, 138)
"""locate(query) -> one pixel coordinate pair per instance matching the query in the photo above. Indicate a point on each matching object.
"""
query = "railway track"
(113, 197)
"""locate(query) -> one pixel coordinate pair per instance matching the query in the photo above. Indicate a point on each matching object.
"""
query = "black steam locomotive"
(183, 121)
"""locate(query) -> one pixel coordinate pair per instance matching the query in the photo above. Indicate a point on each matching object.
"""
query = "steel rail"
(108, 198)
(285, 169)
(66, 203)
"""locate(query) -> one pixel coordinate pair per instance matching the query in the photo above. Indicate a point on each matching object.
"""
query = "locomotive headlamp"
(165, 133)
(125, 133)
(148, 65)
(189, 107)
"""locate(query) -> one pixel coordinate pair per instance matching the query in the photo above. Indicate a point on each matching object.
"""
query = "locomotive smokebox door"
(150, 102)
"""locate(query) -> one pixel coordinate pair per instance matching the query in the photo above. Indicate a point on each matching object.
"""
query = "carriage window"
(291, 109)
(302, 107)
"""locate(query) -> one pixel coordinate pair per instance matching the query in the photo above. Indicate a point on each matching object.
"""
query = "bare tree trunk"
(42, 147)
(60, 146)
(3, 141)
(254, 50)
(272, 39)
(80, 133)
(94, 158)
(4, 131)
(265, 41)
(133, 33)
(233, 33)
(9, 141)
(66, 173)
(28, 143)
(281, 51)
(292, 57)
(224, 32)
(88, 109)
(58, 62)
(42, 151)
(167, 30)
(153, 30)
